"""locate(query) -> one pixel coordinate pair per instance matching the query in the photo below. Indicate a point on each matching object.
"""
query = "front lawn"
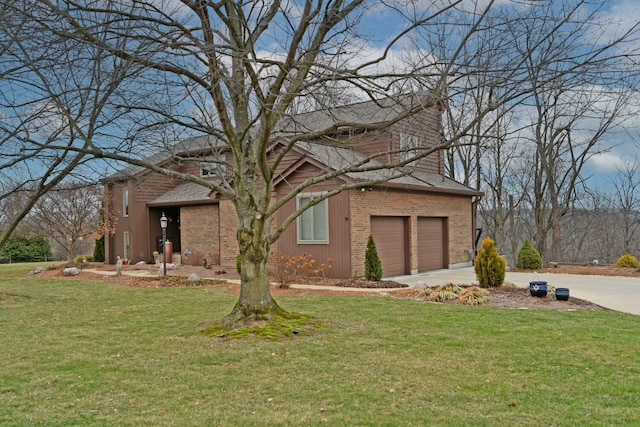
(89, 353)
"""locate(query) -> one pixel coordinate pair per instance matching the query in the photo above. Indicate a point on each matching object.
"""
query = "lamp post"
(163, 225)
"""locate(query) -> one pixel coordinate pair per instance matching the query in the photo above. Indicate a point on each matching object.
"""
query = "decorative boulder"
(420, 285)
(38, 270)
(71, 271)
(193, 277)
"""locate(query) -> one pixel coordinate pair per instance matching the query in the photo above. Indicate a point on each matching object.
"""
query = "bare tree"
(56, 98)
(626, 201)
(69, 216)
(580, 83)
(239, 71)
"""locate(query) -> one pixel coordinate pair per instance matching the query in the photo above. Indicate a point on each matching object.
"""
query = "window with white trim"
(127, 244)
(125, 202)
(408, 145)
(213, 166)
(313, 223)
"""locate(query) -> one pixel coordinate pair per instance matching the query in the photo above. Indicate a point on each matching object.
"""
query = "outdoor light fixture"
(163, 225)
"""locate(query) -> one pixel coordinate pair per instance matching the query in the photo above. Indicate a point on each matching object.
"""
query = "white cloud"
(617, 18)
(609, 162)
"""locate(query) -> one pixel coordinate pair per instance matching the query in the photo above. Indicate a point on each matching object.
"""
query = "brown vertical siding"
(427, 127)
(339, 245)
(109, 197)
(116, 246)
(142, 189)
(370, 143)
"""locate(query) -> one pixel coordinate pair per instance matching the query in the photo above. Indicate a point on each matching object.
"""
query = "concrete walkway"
(614, 292)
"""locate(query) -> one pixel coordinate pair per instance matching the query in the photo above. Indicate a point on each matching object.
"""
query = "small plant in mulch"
(288, 269)
(448, 292)
(473, 295)
(422, 293)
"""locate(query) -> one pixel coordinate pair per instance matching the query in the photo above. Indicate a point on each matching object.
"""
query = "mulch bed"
(366, 284)
(505, 296)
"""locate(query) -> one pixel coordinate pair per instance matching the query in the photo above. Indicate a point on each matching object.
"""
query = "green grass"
(87, 353)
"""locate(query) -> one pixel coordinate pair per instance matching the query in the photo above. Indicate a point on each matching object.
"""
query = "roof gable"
(333, 158)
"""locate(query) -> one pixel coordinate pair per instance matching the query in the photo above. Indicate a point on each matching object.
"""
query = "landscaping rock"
(420, 285)
(193, 277)
(71, 271)
(38, 270)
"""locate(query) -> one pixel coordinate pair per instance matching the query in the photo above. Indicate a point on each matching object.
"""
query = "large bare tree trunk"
(255, 302)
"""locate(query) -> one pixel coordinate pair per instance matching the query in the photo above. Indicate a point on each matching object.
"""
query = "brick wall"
(199, 231)
(228, 234)
(457, 209)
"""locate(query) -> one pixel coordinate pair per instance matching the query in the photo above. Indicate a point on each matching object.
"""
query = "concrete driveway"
(617, 293)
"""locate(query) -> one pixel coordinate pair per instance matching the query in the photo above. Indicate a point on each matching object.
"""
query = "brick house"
(420, 222)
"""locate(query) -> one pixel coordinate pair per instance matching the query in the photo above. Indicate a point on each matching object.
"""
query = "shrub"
(372, 263)
(420, 293)
(286, 269)
(490, 268)
(444, 293)
(627, 261)
(473, 296)
(98, 250)
(22, 248)
(529, 258)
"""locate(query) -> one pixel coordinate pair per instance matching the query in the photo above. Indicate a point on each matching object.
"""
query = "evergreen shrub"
(372, 263)
(627, 261)
(490, 267)
(98, 250)
(528, 257)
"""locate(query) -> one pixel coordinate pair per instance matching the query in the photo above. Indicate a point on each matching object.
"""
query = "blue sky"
(619, 15)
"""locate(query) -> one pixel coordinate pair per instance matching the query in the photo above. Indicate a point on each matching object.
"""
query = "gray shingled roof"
(189, 192)
(368, 112)
(361, 113)
(338, 158)
(364, 113)
(189, 145)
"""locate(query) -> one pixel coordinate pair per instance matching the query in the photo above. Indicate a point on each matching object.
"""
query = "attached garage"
(390, 235)
(432, 248)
